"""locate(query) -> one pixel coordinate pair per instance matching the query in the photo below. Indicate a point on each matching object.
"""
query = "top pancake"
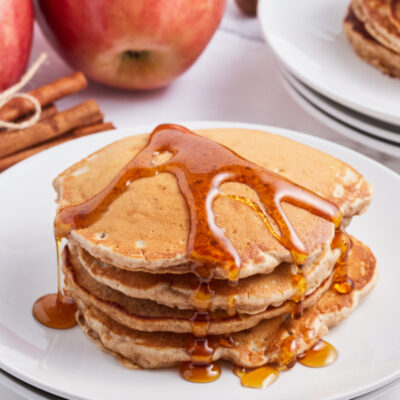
(147, 227)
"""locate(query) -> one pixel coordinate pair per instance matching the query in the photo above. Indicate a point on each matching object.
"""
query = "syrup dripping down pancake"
(147, 315)
(250, 348)
(251, 295)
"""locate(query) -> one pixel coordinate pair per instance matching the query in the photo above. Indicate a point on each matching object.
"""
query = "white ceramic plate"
(388, 392)
(372, 126)
(313, 106)
(68, 364)
(308, 38)
(12, 388)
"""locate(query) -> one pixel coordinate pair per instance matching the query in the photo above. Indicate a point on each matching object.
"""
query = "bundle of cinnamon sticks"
(54, 127)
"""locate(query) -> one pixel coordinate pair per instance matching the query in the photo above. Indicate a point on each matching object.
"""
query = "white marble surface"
(236, 79)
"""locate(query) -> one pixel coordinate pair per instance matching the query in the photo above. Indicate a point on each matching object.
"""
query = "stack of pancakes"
(136, 290)
(373, 28)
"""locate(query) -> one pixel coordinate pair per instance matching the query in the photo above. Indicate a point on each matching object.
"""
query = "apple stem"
(135, 54)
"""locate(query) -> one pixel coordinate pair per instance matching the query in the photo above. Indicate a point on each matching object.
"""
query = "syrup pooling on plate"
(322, 354)
(200, 167)
(200, 373)
(201, 369)
(55, 310)
(257, 378)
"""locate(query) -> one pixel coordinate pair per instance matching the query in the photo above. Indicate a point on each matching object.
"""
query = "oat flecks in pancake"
(251, 295)
(146, 315)
(147, 227)
(369, 49)
(252, 348)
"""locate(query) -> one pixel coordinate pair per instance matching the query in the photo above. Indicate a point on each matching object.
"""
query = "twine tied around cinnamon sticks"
(53, 127)
(12, 93)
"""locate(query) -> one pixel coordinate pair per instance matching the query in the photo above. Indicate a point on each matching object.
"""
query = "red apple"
(16, 28)
(132, 44)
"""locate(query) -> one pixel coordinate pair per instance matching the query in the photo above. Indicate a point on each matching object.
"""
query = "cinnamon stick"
(94, 128)
(15, 158)
(47, 112)
(46, 94)
(82, 114)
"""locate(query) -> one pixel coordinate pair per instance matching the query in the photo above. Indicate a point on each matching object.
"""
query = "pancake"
(395, 13)
(251, 295)
(369, 49)
(147, 315)
(147, 227)
(251, 348)
(377, 18)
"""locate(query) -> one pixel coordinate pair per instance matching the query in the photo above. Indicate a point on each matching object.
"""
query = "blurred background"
(236, 78)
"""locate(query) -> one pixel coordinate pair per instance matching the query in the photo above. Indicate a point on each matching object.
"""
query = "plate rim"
(22, 388)
(123, 132)
(356, 135)
(345, 116)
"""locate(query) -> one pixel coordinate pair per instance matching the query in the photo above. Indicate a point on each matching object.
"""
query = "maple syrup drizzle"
(201, 369)
(231, 306)
(299, 282)
(287, 355)
(322, 354)
(55, 310)
(226, 341)
(239, 371)
(257, 378)
(200, 167)
(342, 283)
(202, 295)
(200, 373)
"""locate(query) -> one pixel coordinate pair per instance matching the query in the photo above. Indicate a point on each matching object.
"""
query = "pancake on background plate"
(373, 29)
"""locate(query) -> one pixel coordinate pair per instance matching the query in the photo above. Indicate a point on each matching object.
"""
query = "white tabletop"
(236, 79)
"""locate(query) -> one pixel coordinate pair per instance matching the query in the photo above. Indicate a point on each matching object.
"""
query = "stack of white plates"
(325, 76)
